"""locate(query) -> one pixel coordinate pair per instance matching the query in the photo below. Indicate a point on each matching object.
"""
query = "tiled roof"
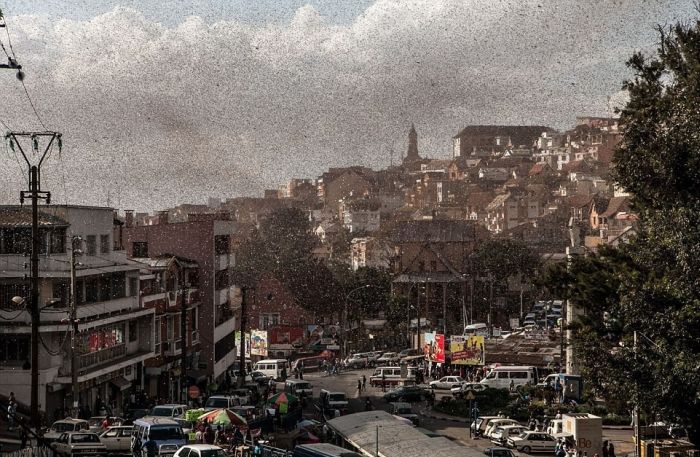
(579, 201)
(539, 168)
(434, 231)
(519, 134)
(616, 205)
(15, 216)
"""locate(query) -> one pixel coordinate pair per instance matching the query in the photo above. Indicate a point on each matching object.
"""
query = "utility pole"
(244, 319)
(183, 336)
(74, 364)
(35, 194)
(490, 304)
(638, 442)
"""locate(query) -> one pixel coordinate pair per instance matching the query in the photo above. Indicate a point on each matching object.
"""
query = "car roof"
(202, 447)
(401, 404)
(70, 420)
(170, 405)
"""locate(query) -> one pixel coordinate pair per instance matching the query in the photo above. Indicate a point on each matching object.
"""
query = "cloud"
(154, 115)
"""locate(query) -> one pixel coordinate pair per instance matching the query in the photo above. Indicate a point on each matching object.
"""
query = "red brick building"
(206, 239)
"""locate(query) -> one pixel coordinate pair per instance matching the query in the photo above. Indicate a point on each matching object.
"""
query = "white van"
(221, 402)
(166, 432)
(272, 368)
(390, 376)
(299, 386)
(501, 377)
(479, 329)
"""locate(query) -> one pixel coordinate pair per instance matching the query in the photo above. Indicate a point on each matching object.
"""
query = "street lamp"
(345, 317)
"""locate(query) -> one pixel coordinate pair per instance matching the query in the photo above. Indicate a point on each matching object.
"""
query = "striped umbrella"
(223, 417)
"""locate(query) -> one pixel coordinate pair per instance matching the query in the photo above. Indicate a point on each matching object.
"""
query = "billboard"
(247, 343)
(467, 350)
(434, 346)
(258, 342)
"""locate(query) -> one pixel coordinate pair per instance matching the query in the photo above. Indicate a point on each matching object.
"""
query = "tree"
(650, 286)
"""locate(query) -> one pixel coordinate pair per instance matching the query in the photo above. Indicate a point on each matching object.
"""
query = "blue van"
(166, 432)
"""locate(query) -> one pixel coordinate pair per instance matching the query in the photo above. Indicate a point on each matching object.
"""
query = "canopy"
(282, 398)
(223, 417)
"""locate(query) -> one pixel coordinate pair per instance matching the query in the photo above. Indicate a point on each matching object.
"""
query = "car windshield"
(404, 411)
(523, 435)
(213, 453)
(95, 420)
(85, 438)
(165, 433)
(162, 411)
(217, 403)
(63, 427)
(303, 385)
(337, 397)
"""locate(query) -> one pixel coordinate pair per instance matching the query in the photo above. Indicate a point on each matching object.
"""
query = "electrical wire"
(26, 92)
(14, 153)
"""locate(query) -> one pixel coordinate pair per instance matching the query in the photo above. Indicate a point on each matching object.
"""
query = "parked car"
(531, 441)
(200, 450)
(447, 382)
(501, 433)
(479, 425)
(403, 409)
(407, 394)
(388, 358)
(530, 319)
(62, 426)
(117, 439)
(461, 390)
(170, 410)
(408, 353)
(372, 357)
(357, 361)
(97, 421)
(498, 422)
(498, 452)
(259, 378)
(78, 444)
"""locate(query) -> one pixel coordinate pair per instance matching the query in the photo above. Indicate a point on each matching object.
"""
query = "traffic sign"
(193, 392)
(470, 395)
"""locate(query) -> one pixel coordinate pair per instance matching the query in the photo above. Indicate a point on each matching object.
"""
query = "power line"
(36, 113)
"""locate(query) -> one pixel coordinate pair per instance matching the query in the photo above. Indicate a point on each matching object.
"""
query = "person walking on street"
(359, 387)
(151, 448)
(364, 382)
(383, 382)
(611, 449)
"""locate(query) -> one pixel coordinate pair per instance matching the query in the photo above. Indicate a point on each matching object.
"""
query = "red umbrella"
(222, 417)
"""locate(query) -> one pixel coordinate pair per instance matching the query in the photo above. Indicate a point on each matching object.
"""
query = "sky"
(162, 102)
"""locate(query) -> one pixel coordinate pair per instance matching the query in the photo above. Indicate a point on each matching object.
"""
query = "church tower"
(412, 154)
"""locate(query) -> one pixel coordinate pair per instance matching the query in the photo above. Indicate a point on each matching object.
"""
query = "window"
(139, 249)
(133, 330)
(221, 244)
(269, 319)
(518, 375)
(91, 245)
(170, 328)
(221, 280)
(156, 335)
(133, 287)
(104, 244)
(7, 291)
(91, 289)
(14, 349)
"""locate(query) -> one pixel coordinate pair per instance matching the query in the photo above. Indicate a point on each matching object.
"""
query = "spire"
(412, 154)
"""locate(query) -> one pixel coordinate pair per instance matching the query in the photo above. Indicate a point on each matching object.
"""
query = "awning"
(121, 383)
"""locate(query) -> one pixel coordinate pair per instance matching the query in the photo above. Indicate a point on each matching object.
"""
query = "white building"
(115, 333)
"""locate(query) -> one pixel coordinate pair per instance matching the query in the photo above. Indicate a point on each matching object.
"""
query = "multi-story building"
(206, 239)
(115, 334)
(361, 215)
(167, 283)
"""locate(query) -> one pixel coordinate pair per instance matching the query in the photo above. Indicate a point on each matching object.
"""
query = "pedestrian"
(605, 448)
(10, 415)
(364, 382)
(611, 449)
(199, 435)
(23, 437)
(151, 447)
(359, 387)
(512, 385)
(301, 372)
(383, 381)
(136, 447)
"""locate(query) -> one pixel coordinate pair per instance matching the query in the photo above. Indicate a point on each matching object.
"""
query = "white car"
(501, 433)
(461, 390)
(117, 439)
(200, 450)
(533, 442)
(388, 358)
(447, 382)
(498, 422)
(357, 361)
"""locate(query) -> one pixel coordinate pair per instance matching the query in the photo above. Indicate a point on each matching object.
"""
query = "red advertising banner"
(439, 348)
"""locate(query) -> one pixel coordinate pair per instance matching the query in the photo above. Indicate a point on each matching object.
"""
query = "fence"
(34, 451)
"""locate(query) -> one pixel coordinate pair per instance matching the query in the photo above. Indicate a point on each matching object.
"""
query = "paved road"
(347, 382)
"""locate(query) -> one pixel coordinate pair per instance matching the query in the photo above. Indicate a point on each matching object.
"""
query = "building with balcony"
(170, 286)
(205, 239)
(115, 333)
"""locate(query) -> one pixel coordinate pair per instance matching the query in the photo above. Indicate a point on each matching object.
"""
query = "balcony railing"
(102, 356)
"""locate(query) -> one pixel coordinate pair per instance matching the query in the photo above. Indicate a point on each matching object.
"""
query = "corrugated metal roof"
(22, 217)
(394, 438)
